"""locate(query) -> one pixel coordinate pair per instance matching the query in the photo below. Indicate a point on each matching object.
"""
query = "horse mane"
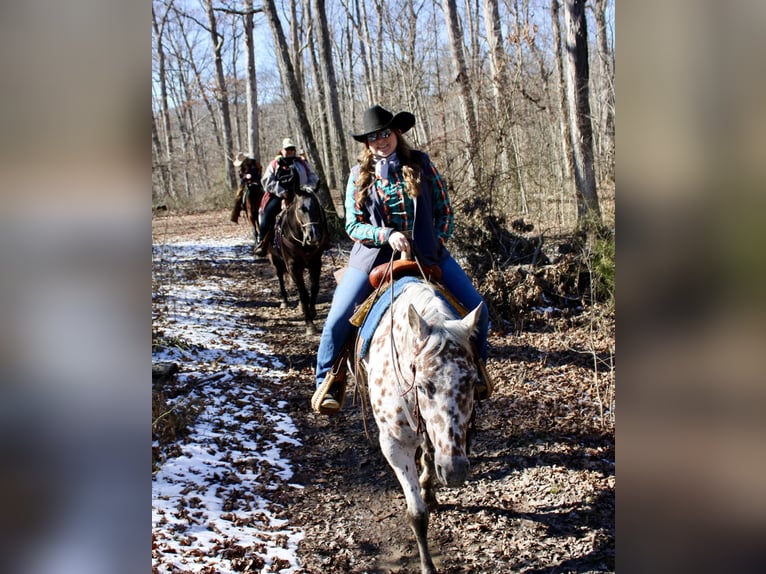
(438, 314)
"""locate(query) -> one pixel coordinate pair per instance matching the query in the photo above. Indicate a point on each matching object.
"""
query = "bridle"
(414, 418)
(304, 241)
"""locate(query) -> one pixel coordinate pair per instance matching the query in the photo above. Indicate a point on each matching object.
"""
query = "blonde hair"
(366, 177)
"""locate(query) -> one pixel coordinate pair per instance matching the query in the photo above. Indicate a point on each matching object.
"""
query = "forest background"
(514, 99)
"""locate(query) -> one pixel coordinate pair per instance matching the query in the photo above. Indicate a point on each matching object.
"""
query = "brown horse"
(300, 238)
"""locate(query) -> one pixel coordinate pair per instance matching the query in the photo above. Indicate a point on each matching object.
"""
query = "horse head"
(307, 222)
(445, 378)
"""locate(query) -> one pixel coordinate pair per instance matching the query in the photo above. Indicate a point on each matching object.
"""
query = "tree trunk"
(565, 124)
(198, 79)
(251, 85)
(159, 30)
(322, 127)
(355, 19)
(158, 160)
(466, 102)
(588, 211)
(607, 97)
(379, 58)
(222, 96)
(500, 80)
(288, 77)
(338, 149)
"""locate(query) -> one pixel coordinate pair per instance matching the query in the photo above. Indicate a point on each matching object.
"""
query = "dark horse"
(300, 238)
(253, 197)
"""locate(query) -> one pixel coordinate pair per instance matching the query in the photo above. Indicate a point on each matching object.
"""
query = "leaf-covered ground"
(541, 493)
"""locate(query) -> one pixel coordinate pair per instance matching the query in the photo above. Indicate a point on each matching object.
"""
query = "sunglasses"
(382, 135)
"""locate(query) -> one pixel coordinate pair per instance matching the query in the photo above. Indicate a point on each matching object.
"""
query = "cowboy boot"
(260, 248)
(329, 397)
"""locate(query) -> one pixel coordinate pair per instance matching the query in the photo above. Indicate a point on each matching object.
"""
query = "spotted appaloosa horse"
(421, 374)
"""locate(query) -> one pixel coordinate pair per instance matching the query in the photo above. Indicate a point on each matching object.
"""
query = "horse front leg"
(427, 473)
(296, 272)
(402, 461)
(280, 268)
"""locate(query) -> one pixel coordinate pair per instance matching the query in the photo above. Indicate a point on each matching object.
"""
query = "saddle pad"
(367, 330)
(264, 200)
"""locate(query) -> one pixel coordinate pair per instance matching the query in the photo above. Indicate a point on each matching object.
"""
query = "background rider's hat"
(287, 143)
(239, 159)
(378, 118)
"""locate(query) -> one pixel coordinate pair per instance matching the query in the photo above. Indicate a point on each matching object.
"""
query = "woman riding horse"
(395, 199)
(284, 174)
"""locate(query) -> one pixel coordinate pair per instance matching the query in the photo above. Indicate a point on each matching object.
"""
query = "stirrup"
(486, 387)
(335, 382)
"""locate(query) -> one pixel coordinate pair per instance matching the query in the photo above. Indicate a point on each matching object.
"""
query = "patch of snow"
(211, 502)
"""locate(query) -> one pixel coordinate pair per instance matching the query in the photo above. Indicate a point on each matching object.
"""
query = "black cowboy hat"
(378, 118)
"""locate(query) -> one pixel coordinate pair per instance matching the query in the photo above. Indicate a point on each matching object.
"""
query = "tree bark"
(321, 124)
(588, 211)
(251, 86)
(222, 96)
(565, 124)
(158, 160)
(159, 30)
(607, 96)
(461, 77)
(338, 148)
(500, 80)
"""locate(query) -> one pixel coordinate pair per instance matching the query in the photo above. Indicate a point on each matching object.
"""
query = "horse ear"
(470, 321)
(417, 324)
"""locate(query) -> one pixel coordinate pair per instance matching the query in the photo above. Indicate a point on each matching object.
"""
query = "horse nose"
(455, 472)
(312, 236)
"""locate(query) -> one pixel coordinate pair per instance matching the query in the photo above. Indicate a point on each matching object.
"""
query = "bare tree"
(577, 75)
(461, 77)
(167, 168)
(566, 129)
(606, 93)
(251, 86)
(487, 106)
(157, 160)
(501, 80)
(222, 94)
(322, 131)
(356, 17)
(288, 77)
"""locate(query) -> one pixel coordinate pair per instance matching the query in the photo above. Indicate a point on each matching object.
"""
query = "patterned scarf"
(384, 164)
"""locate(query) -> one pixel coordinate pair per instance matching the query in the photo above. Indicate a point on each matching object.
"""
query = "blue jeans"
(354, 288)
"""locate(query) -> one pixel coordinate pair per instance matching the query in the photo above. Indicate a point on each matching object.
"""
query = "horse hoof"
(283, 305)
(311, 330)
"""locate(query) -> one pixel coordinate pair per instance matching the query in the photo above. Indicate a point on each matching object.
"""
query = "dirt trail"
(541, 494)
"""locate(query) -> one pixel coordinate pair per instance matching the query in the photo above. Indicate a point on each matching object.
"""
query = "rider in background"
(284, 175)
(394, 196)
(249, 173)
